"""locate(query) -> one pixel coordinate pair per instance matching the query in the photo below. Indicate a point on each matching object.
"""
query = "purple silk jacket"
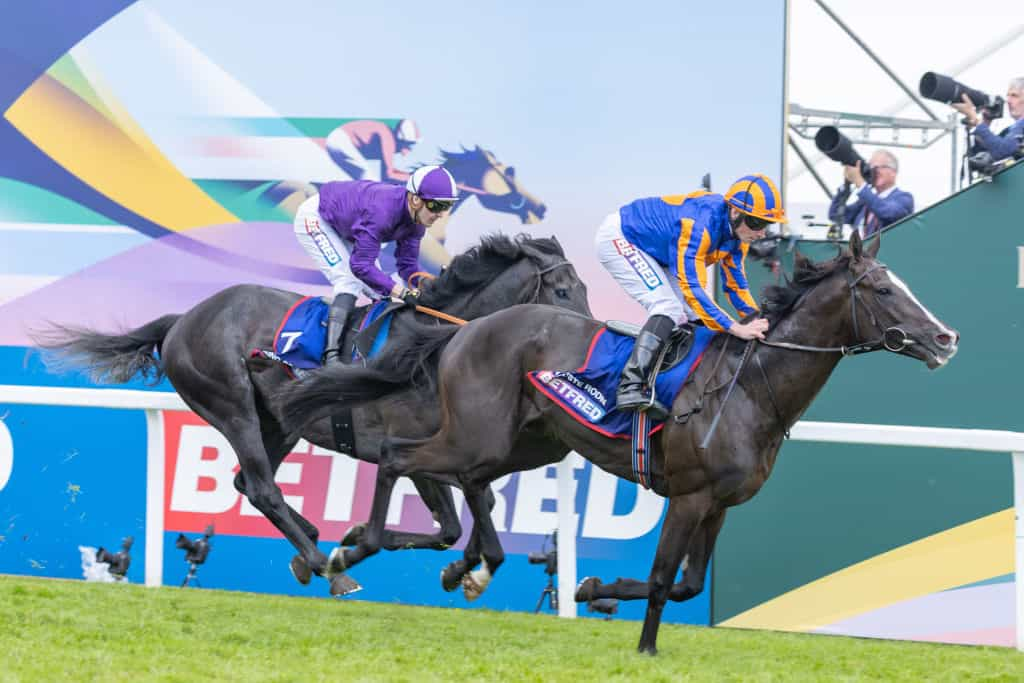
(366, 214)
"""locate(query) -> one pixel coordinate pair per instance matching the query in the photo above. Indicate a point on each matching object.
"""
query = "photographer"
(869, 208)
(1007, 142)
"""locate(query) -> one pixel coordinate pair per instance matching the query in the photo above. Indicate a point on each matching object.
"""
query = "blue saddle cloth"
(301, 338)
(588, 393)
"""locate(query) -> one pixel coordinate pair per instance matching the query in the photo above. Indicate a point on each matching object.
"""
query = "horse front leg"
(684, 515)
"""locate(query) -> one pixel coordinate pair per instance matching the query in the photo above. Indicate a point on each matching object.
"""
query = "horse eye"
(884, 291)
(562, 293)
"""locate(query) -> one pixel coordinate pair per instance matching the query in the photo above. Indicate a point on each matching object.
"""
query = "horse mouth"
(939, 360)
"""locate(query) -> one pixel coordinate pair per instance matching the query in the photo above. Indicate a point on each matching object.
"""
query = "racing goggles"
(439, 205)
(755, 223)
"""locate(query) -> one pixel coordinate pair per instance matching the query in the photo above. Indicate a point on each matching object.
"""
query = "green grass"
(54, 630)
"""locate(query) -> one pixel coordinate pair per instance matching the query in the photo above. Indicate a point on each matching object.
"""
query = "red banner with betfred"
(332, 491)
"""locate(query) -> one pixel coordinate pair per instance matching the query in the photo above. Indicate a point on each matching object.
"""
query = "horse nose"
(541, 210)
(946, 341)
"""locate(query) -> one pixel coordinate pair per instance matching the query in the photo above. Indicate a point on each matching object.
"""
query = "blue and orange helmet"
(757, 196)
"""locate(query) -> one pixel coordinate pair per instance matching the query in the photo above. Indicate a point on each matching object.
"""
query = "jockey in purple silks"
(344, 226)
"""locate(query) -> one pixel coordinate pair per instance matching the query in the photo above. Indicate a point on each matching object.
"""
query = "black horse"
(490, 411)
(203, 353)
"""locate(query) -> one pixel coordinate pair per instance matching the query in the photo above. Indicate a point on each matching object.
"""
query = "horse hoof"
(647, 650)
(343, 584)
(470, 588)
(586, 588)
(301, 570)
(354, 535)
(335, 564)
(450, 579)
(476, 582)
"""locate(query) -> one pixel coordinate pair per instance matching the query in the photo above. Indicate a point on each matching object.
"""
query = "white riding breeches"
(330, 252)
(641, 276)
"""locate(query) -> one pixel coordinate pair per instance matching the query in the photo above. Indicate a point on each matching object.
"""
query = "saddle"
(673, 352)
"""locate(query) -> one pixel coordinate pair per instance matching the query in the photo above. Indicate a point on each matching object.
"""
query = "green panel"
(24, 203)
(828, 506)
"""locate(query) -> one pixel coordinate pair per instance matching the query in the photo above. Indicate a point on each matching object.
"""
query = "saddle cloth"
(588, 392)
(301, 337)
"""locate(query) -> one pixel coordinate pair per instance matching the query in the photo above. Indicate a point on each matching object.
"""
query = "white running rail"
(154, 403)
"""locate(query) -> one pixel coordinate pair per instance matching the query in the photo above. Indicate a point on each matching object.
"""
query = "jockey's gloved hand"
(411, 297)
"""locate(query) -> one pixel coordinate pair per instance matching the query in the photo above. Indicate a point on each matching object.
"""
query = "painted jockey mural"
(365, 149)
(155, 197)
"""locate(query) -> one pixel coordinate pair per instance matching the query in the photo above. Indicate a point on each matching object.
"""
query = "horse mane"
(779, 300)
(465, 156)
(481, 263)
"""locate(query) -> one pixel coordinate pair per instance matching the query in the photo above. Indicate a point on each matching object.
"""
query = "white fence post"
(1018, 512)
(154, 574)
(566, 538)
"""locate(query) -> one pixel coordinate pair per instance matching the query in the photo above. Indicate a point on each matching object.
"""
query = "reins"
(441, 315)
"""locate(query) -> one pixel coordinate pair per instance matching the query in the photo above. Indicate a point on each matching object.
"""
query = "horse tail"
(108, 358)
(324, 391)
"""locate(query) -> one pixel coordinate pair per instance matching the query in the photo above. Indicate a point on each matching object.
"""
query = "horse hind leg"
(492, 555)
(237, 417)
(451, 576)
(438, 499)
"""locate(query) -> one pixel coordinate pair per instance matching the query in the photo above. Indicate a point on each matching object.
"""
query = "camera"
(196, 552)
(117, 562)
(548, 558)
(838, 147)
(944, 89)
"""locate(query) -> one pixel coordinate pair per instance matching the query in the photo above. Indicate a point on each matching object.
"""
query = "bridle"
(893, 339)
(540, 273)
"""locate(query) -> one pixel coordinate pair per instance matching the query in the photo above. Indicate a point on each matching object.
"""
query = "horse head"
(503, 271)
(879, 309)
(478, 172)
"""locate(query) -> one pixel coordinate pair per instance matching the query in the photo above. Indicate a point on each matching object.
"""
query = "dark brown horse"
(203, 351)
(491, 412)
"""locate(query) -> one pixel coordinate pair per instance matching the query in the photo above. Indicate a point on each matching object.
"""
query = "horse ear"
(873, 245)
(800, 262)
(856, 245)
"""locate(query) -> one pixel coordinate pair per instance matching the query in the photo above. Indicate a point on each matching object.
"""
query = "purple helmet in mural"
(433, 182)
(407, 131)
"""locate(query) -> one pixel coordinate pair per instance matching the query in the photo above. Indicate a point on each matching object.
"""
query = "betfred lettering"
(562, 384)
(322, 242)
(636, 259)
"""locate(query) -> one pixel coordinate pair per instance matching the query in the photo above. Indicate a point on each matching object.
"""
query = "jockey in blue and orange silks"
(683, 235)
(344, 226)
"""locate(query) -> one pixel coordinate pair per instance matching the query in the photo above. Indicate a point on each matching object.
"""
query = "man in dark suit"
(869, 208)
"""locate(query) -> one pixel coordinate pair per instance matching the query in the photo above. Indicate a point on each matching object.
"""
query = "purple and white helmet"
(433, 182)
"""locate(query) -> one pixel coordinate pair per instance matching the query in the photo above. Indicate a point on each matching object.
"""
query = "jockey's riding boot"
(636, 388)
(337, 320)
